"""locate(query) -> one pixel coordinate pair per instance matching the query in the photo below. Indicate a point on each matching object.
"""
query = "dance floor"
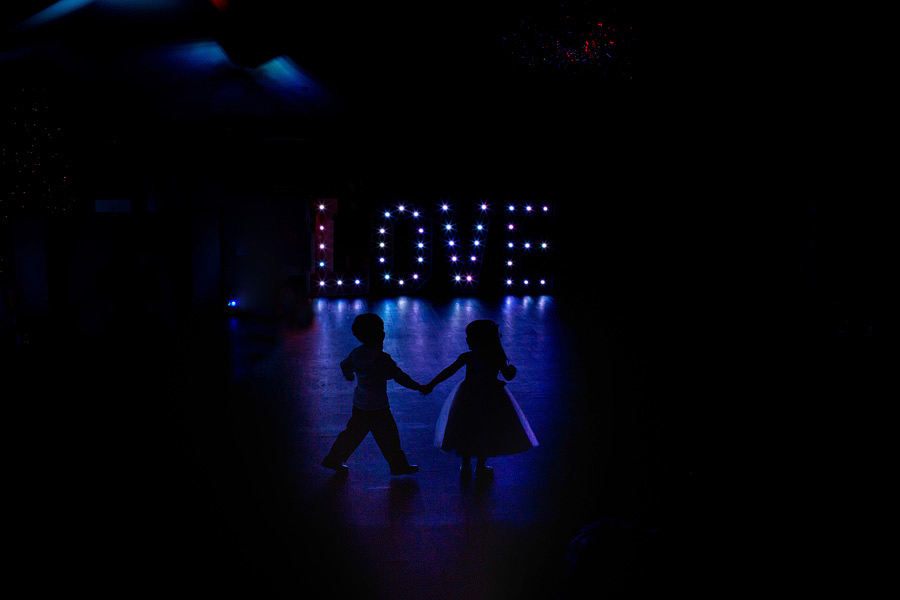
(199, 467)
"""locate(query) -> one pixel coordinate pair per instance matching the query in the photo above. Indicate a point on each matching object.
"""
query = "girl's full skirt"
(483, 420)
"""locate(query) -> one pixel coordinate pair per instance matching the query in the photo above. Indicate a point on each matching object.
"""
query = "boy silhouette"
(371, 411)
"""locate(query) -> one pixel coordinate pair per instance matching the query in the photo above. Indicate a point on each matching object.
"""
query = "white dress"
(481, 416)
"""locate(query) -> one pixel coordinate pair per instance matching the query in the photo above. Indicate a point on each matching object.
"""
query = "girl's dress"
(481, 417)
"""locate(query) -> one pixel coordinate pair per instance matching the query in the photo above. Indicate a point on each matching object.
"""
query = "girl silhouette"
(480, 416)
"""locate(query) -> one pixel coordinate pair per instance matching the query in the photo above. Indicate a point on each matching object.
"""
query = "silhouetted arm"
(508, 372)
(445, 374)
(347, 369)
(406, 381)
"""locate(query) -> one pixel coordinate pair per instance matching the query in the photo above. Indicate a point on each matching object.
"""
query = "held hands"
(426, 389)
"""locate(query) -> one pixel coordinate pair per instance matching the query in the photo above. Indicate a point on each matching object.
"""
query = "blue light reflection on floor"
(424, 336)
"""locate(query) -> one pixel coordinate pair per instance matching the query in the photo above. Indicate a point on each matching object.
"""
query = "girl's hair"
(485, 335)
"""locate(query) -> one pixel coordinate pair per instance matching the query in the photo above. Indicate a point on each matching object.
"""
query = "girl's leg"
(465, 468)
(481, 469)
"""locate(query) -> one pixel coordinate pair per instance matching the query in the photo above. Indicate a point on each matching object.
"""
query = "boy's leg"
(387, 436)
(349, 439)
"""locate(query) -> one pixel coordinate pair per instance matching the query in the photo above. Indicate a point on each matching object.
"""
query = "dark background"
(742, 295)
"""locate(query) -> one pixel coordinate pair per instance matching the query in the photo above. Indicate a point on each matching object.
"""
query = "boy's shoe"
(407, 470)
(335, 465)
(484, 471)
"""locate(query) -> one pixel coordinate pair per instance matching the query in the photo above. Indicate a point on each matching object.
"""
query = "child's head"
(368, 329)
(484, 334)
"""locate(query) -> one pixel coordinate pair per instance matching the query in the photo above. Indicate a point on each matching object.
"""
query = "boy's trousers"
(384, 429)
